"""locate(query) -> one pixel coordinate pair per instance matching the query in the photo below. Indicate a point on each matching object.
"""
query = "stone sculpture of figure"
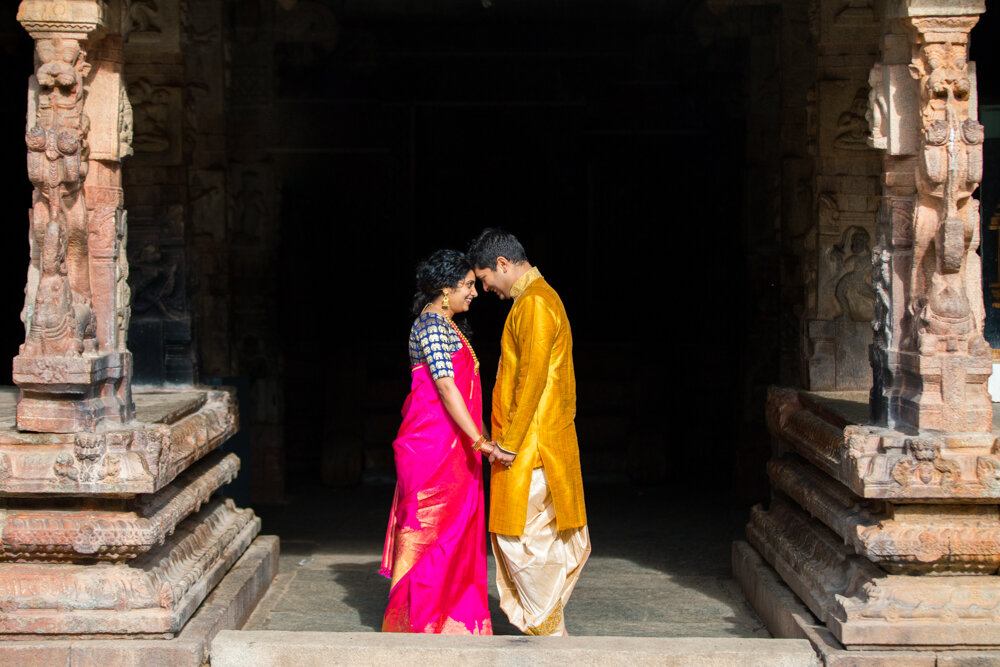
(852, 125)
(143, 16)
(150, 109)
(62, 320)
(951, 170)
(854, 292)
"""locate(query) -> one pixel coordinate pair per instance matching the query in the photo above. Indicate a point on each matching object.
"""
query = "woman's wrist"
(478, 444)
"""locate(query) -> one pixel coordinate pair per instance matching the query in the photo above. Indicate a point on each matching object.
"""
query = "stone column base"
(862, 605)
(154, 594)
(73, 394)
(227, 608)
(787, 617)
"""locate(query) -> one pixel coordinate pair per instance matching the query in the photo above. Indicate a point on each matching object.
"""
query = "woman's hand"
(498, 454)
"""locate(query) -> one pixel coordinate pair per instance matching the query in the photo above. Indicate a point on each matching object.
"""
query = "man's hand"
(499, 455)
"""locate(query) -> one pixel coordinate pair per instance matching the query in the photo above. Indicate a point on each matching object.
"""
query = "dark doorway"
(607, 140)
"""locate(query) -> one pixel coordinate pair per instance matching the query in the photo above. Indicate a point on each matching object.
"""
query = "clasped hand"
(496, 454)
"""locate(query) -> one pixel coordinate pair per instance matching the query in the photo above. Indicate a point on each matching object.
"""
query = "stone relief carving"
(952, 168)
(925, 466)
(855, 12)
(852, 260)
(150, 113)
(250, 208)
(144, 17)
(155, 285)
(852, 125)
(877, 113)
(60, 320)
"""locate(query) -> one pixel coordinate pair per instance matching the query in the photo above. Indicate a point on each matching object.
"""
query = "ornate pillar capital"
(68, 19)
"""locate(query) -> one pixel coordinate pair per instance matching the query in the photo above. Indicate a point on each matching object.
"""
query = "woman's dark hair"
(444, 268)
(493, 242)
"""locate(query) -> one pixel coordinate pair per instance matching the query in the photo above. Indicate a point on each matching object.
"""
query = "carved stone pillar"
(73, 369)
(881, 498)
(930, 359)
(110, 525)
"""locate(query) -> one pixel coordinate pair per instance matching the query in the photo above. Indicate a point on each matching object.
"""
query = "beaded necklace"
(475, 359)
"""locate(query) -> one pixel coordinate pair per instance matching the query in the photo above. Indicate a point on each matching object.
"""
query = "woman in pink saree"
(435, 545)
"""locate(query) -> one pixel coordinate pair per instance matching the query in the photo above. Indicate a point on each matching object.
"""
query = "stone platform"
(227, 607)
(117, 532)
(891, 540)
(263, 649)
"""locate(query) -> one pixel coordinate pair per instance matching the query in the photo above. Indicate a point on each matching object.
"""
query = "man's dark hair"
(493, 242)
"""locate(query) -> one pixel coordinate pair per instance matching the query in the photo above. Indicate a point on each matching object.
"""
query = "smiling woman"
(435, 546)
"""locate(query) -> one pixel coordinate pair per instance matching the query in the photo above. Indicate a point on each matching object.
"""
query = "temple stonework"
(883, 520)
(111, 524)
(790, 185)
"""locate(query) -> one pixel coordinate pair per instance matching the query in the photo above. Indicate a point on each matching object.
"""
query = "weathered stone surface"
(902, 539)
(137, 458)
(154, 594)
(227, 608)
(843, 188)
(74, 369)
(930, 359)
(878, 462)
(861, 604)
(35, 535)
(320, 648)
(785, 616)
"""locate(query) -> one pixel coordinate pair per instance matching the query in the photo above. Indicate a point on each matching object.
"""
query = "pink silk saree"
(435, 545)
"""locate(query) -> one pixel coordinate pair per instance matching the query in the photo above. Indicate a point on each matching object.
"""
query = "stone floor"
(660, 567)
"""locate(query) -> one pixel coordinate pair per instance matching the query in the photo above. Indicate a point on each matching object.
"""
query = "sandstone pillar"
(110, 524)
(930, 359)
(73, 369)
(884, 515)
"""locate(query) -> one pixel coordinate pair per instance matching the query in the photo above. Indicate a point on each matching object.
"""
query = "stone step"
(263, 648)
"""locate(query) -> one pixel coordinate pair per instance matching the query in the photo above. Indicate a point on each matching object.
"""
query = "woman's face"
(460, 298)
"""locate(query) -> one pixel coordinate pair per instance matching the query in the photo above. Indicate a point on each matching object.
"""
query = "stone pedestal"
(891, 540)
(118, 532)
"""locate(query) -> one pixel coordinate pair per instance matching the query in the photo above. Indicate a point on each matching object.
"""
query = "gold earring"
(445, 304)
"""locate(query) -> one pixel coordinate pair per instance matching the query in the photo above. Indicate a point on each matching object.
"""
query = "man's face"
(494, 280)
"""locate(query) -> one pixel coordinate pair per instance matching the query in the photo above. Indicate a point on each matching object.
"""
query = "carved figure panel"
(59, 320)
(153, 24)
(156, 122)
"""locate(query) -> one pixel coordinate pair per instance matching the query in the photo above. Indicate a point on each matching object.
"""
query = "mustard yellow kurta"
(534, 407)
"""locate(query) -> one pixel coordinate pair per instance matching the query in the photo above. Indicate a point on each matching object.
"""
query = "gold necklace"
(465, 340)
(458, 331)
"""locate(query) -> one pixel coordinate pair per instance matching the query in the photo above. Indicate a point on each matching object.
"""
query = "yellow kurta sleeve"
(534, 332)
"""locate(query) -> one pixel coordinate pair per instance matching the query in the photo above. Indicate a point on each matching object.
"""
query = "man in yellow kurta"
(537, 516)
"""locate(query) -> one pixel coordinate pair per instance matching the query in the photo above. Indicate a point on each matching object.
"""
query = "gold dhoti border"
(537, 570)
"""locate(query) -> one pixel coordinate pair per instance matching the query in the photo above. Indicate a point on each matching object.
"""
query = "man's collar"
(522, 283)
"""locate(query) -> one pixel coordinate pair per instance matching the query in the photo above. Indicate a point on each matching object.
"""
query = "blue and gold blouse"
(432, 342)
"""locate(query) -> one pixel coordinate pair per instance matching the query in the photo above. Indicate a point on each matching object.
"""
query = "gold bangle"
(478, 444)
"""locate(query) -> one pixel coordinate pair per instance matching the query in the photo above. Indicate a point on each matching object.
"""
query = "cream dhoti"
(538, 569)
